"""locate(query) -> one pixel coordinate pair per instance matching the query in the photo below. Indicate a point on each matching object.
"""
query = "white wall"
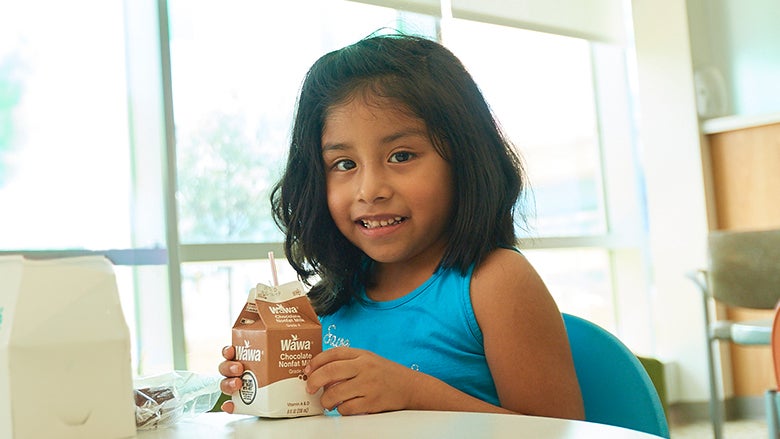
(740, 41)
(677, 215)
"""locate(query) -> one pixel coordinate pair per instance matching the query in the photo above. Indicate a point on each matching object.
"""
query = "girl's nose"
(373, 187)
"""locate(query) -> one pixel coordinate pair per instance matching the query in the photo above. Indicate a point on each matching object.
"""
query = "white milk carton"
(65, 369)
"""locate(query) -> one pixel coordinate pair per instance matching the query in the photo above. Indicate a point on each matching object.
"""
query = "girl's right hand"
(232, 371)
(357, 381)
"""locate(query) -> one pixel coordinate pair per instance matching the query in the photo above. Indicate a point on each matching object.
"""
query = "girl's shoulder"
(506, 278)
(502, 265)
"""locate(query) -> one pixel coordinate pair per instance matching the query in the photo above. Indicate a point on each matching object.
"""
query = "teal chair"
(616, 389)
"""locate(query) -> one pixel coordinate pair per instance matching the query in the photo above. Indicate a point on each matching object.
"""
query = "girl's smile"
(376, 227)
(389, 191)
(373, 224)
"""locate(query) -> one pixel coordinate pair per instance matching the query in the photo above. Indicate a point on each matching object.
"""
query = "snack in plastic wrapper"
(162, 400)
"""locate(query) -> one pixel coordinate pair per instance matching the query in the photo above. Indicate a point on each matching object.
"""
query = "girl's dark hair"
(430, 83)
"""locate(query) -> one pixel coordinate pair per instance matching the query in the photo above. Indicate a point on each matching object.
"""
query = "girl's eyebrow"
(333, 147)
(408, 132)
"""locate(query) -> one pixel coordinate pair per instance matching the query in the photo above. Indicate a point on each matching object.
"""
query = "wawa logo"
(293, 344)
(281, 309)
(246, 353)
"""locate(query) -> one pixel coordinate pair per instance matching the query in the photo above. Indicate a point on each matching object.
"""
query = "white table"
(403, 424)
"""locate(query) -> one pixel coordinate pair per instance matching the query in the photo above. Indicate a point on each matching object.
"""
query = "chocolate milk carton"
(275, 336)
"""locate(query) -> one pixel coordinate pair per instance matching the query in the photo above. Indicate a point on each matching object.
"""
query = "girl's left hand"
(356, 381)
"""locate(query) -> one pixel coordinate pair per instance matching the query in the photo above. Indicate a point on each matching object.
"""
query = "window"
(86, 163)
(64, 151)
(542, 93)
(66, 174)
(563, 101)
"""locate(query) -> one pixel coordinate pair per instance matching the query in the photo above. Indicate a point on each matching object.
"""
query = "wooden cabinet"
(744, 157)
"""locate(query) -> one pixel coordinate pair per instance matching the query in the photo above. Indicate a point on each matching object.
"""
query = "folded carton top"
(65, 300)
(284, 305)
(278, 293)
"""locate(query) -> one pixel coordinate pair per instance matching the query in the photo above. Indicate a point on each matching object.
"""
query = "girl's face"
(389, 191)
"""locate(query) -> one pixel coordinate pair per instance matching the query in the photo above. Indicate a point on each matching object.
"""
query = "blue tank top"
(432, 329)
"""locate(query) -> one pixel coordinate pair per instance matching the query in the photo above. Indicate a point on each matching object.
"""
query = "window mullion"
(171, 217)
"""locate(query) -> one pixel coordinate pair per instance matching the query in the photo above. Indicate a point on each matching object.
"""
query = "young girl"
(399, 195)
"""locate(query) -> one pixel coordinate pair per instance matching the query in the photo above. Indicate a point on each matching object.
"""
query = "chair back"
(744, 268)
(616, 389)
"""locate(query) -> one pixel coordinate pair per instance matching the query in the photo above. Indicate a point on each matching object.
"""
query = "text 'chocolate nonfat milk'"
(275, 337)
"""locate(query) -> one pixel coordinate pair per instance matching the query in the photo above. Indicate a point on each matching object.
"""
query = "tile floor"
(737, 429)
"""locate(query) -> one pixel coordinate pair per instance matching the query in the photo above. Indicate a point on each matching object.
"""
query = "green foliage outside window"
(224, 177)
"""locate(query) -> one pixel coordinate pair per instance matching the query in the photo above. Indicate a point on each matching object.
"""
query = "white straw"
(273, 268)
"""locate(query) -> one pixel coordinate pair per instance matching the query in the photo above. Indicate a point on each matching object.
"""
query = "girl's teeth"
(382, 223)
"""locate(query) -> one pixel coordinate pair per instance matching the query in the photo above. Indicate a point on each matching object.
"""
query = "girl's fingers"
(329, 356)
(337, 395)
(330, 374)
(231, 369)
(228, 407)
(229, 352)
(352, 407)
(230, 386)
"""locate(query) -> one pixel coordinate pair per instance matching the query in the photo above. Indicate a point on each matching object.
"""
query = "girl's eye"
(344, 165)
(400, 157)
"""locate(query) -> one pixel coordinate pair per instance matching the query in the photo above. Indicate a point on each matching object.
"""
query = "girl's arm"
(357, 381)
(525, 338)
(525, 343)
